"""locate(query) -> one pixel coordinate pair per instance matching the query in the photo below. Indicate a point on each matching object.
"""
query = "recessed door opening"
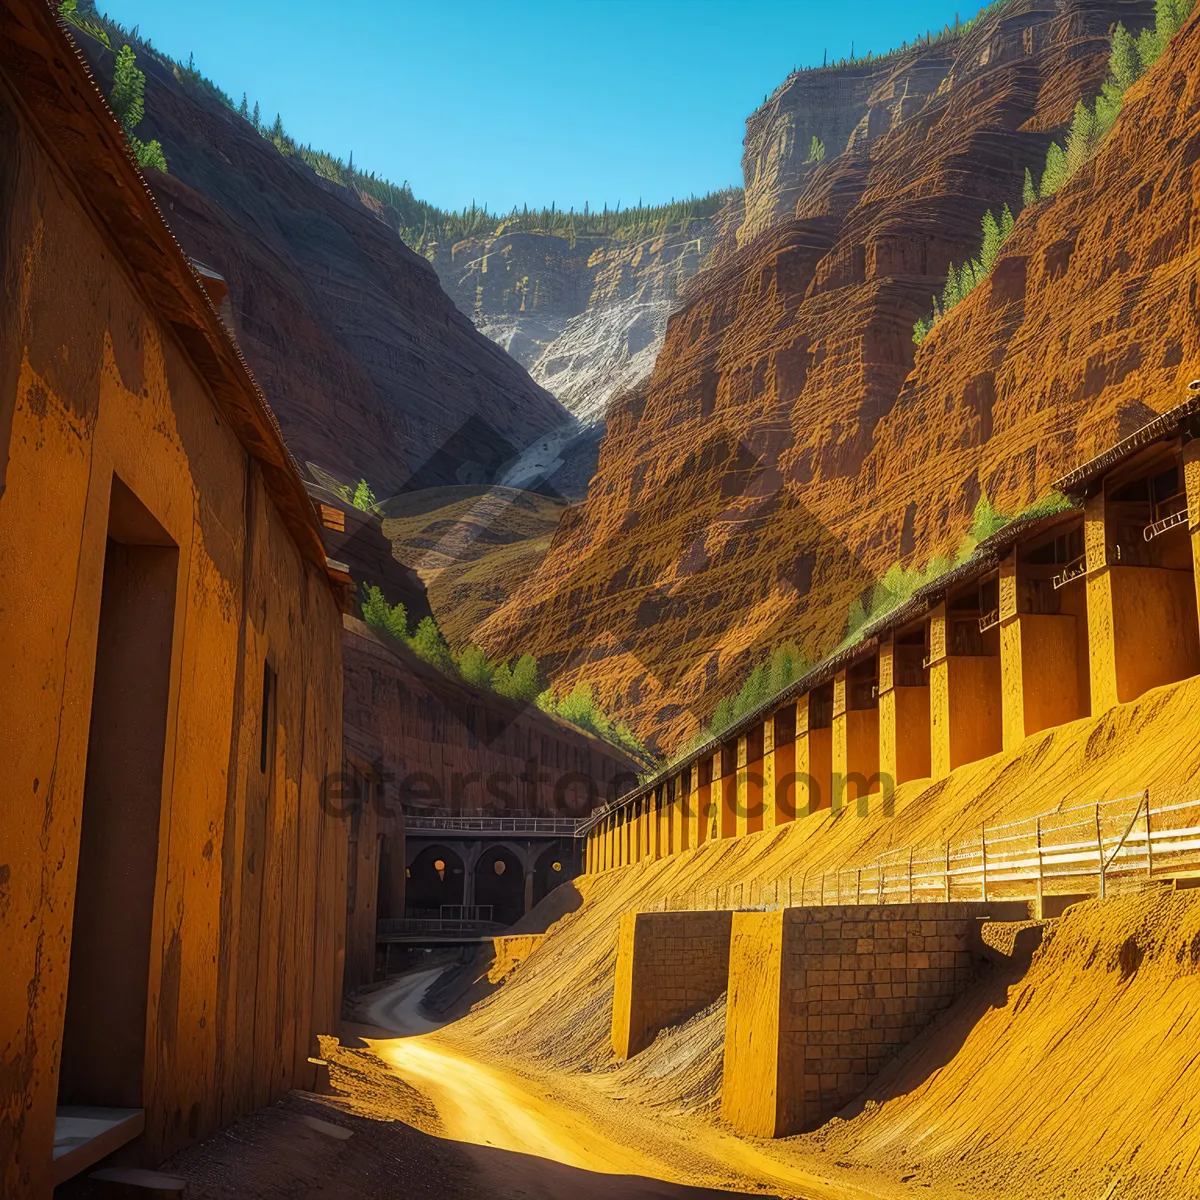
(104, 1033)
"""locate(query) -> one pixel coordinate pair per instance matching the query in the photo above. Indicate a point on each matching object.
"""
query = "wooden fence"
(1091, 848)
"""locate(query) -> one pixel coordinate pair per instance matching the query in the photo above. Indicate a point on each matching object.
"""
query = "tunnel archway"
(429, 885)
(500, 882)
(554, 865)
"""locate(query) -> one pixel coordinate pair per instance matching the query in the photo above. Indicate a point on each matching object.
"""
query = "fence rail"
(538, 826)
(1092, 848)
(453, 920)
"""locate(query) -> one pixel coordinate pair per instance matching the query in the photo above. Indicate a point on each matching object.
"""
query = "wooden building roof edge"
(48, 72)
(1077, 483)
(985, 558)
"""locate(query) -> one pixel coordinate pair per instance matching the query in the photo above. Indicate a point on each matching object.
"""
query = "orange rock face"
(793, 443)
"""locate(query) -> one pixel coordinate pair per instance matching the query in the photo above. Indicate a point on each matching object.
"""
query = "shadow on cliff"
(677, 564)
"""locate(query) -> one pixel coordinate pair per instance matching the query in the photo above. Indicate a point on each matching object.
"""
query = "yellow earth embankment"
(1077, 1080)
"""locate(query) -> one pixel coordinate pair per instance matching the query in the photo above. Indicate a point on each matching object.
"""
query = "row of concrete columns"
(988, 666)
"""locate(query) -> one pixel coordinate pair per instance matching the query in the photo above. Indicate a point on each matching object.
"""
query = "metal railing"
(537, 826)
(453, 920)
(1125, 842)
(1167, 514)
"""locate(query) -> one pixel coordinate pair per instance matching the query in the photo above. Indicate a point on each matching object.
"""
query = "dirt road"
(488, 1107)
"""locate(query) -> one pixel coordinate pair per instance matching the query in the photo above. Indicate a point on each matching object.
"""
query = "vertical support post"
(1041, 886)
(1149, 836)
(858, 887)
(983, 871)
(947, 873)
(910, 874)
(1100, 851)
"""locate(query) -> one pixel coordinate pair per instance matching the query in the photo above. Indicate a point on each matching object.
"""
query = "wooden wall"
(248, 924)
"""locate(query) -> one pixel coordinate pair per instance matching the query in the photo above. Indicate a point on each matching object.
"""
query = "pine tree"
(1055, 174)
(950, 294)
(256, 120)
(277, 129)
(128, 90)
(1029, 192)
(1080, 139)
(475, 667)
(990, 248)
(1007, 222)
(244, 109)
(427, 642)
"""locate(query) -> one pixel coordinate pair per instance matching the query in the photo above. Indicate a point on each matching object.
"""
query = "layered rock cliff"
(585, 315)
(369, 366)
(793, 443)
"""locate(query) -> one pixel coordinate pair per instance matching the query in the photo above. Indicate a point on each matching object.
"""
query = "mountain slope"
(792, 442)
(369, 366)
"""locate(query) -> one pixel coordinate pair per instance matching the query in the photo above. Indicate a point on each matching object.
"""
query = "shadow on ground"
(297, 1150)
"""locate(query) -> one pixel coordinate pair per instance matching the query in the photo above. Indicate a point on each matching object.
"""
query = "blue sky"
(524, 101)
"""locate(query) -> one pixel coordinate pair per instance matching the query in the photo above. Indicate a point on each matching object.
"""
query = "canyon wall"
(586, 315)
(368, 365)
(792, 442)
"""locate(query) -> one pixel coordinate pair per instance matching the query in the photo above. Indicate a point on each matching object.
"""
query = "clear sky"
(524, 101)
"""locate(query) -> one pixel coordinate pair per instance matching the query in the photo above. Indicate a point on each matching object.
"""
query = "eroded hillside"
(793, 442)
(370, 368)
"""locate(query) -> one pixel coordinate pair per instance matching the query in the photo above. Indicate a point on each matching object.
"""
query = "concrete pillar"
(528, 887)
(966, 718)
(669, 966)
(1101, 642)
(841, 740)
(904, 752)
(741, 802)
(1012, 691)
(727, 761)
(1039, 662)
(700, 814)
(782, 789)
(678, 804)
(655, 824)
(814, 761)
(766, 799)
(749, 782)
(1191, 484)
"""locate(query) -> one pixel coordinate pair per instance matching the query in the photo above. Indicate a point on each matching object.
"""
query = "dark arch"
(545, 877)
(427, 889)
(505, 891)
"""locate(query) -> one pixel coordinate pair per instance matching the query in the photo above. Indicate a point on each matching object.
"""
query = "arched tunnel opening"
(435, 877)
(500, 882)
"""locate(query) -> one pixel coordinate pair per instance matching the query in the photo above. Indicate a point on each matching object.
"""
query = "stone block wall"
(669, 966)
(821, 998)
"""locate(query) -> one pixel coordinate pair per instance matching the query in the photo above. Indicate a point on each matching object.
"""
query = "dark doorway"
(435, 878)
(104, 1036)
(500, 882)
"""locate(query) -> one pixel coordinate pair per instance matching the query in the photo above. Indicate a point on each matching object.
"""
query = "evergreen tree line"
(948, 33)
(1130, 58)
(521, 680)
